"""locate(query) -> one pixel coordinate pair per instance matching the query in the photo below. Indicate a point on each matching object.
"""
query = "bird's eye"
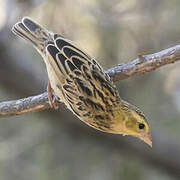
(141, 126)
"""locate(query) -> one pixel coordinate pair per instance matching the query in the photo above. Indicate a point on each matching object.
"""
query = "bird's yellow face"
(136, 125)
(132, 122)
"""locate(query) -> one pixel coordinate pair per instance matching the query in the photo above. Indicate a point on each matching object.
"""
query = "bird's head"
(131, 121)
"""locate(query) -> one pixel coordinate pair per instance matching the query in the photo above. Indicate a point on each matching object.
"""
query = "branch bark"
(144, 63)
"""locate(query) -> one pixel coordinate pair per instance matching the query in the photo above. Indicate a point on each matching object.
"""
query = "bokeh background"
(55, 144)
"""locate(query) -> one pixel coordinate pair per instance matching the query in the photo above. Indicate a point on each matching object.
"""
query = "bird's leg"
(51, 96)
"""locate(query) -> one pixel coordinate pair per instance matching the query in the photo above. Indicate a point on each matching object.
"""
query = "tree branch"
(144, 63)
(21, 106)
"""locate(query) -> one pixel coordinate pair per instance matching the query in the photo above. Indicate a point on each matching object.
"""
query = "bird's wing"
(85, 85)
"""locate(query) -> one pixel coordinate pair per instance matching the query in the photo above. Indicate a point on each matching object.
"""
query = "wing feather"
(62, 43)
(86, 87)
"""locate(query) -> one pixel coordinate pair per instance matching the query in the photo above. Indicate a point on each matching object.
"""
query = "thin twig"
(144, 63)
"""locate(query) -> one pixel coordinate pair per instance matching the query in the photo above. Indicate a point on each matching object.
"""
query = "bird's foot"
(51, 96)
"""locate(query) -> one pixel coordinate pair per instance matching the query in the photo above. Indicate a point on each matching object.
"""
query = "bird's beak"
(147, 138)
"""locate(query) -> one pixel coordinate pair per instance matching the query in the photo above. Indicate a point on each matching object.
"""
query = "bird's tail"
(33, 32)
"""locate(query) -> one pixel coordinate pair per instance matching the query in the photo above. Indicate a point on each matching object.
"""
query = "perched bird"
(82, 84)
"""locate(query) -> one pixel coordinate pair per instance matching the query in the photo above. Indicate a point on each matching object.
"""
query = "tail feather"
(31, 31)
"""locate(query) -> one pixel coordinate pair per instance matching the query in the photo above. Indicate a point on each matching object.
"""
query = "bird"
(81, 83)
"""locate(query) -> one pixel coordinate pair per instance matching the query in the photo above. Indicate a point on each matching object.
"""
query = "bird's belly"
(55, 82)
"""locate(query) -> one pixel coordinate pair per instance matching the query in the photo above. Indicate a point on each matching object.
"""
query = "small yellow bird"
(82, 84)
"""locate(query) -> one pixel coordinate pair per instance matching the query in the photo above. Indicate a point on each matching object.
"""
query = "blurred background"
(55, 144)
